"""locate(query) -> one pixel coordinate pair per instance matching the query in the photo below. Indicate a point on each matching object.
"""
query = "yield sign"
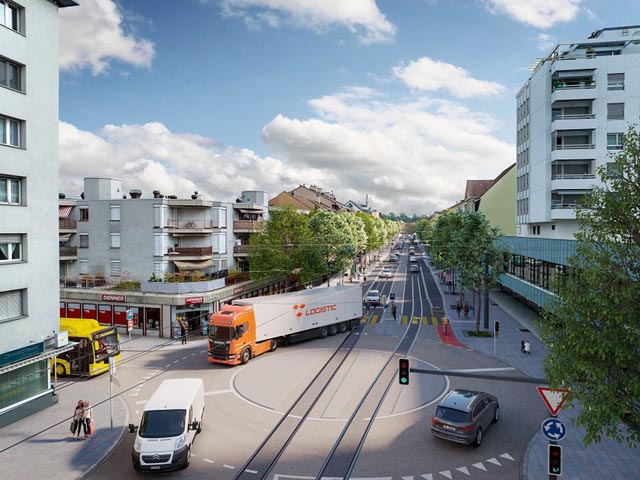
(553, 398)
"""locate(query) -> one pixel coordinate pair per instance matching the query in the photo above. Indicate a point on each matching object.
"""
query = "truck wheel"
(333, 329)
(274, 344)
(323, 332)
(342, 327)
(245, 356)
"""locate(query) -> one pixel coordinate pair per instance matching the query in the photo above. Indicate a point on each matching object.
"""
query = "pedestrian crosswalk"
(405, 320)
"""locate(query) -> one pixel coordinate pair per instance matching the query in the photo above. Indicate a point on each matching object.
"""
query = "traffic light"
(496, 328)
(555, 460)
(403, 371)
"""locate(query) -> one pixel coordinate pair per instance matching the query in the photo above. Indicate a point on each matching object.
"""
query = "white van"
(168, 427)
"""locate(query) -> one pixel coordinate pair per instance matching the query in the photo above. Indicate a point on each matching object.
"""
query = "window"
(11, 16)
(83, 267)
(615, 111)
(115, 213)
(10, 248)
(84, 240)
(115, 240)
(12, 305)
(614, 141)
(84, 214)
(11, 190)
(11, 74)
(115, 268)
(615, 81)
(11, 131)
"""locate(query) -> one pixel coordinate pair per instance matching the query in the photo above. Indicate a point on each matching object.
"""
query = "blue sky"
(400, 100)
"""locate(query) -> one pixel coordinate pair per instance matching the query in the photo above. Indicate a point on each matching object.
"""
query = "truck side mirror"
(133, 428)
(193, 425)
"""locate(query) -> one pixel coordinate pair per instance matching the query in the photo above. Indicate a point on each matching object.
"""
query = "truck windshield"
(162, 423)
(221, 333)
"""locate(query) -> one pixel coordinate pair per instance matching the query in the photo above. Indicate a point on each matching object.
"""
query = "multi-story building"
(571, 115)
(28, 189)
(250, 211)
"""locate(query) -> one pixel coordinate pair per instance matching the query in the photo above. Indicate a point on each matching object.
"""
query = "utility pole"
(485, 282)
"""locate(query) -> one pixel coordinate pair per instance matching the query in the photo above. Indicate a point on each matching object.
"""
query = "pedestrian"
(364, 278)
(393, 310)
(527, 347)
(77, 418)
(87, 416)
(466, 309)
(445, 324)
(522, 345)
(183, 332)
(458, 308)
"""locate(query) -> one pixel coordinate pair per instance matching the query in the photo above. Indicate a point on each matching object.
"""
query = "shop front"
(194, 314)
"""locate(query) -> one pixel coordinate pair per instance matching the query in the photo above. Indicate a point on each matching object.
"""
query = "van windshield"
(162, 423)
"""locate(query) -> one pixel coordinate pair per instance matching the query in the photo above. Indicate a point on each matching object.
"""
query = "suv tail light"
(467, 428)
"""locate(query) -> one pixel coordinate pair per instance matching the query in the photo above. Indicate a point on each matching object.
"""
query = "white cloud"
(538, 13)
(361, 17)
(431, 75)
(546, 42)
(410, 157)
(92, 33)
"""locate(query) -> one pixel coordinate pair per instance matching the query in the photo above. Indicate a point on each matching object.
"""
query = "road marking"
(230, 467)
(140, 402)
(184, 358)
(176, 361)
(434, 320)
(251, 471)
(427, 476)
(447, 473)
(405, 320)
(208, 461)
(218, 392)
(415, 320)
(494, 461)
(507, 456)
(374, 319)
(167, 366)
(464, 470)
(480, 466)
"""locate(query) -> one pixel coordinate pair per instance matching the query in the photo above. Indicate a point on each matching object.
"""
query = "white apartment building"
(28, 189)
(571, 114)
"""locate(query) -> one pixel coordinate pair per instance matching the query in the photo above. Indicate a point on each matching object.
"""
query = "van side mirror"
(133, 428)
(193, 425)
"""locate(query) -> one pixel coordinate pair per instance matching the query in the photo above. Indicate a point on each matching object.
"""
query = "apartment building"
(28, 190)
(250, 211)
(571, 115)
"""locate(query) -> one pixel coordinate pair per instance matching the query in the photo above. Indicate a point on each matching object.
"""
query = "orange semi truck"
(251, 326)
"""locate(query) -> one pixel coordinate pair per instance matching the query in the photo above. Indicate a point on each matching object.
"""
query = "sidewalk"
(608, 459)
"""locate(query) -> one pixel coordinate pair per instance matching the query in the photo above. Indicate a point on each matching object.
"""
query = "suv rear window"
(451, 415)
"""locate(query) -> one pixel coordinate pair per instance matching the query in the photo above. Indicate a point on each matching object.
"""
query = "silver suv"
(464, 415)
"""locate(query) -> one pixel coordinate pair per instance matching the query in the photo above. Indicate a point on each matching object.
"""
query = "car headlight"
(180, 441)
(138, 444)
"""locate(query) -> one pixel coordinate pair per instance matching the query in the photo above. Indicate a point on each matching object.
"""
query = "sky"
(396, 101)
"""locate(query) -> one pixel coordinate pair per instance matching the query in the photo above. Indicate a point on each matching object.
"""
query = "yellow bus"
(95, 345)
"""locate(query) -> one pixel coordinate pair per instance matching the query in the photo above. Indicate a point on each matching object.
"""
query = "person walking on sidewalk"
(76, 422)
(466, 309)
(458, 308)
(183, 332)
(87, 415)
(393, 310)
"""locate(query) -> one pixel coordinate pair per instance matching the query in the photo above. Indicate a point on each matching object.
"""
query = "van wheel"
(496, 415)
(274, 344)
(187, 459)
(245, 356)
(333, 329)
(342, 327)
(323, 332)
(478, 440)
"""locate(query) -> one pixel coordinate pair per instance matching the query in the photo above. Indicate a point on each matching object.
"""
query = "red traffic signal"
(555, 460)
(403, 371)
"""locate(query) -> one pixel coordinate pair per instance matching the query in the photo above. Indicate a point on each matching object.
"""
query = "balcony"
(574, 122)
(563, 211)
(190, 253)
(67, 225)
(247, 226)
(582, 90)
(190, 227)
(241, 250)
(68, 253)
(572, 181)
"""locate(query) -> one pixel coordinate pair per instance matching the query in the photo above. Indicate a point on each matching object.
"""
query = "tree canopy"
(592, 328)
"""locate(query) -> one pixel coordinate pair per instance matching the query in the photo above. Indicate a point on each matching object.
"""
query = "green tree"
(284, 248)
(592, 328)
(334, 240)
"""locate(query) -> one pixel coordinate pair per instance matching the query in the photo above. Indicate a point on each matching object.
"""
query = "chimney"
(156, 194)
(135, 193)
(61, 196)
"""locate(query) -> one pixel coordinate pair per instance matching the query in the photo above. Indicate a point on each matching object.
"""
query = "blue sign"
(129, 314)
(553, 429)
(392, 296)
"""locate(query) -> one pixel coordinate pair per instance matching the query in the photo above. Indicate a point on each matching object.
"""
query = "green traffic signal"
(555, 460)
(403, 371)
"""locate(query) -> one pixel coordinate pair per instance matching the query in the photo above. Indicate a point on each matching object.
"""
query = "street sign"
(129, 315)
(392, 296)
(554, 399)
(553, 429)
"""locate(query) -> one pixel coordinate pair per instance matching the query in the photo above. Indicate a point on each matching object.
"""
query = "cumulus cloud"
(92, 34)
(431, 75)
(412, 157)
(537, 13)
(361, 17)
(151, 157)
(545, 42)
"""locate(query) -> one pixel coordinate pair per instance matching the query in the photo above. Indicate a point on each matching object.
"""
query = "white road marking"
(464, 470)
(507, 456)
(176, 361)
(140, 402)
(447, 473)
(408, 478)
(184, 358)
(427, 476)
(218, 392)
(167, 366)
(251, 471)
(231, 467)
(494, 461)
(480, 465)
(208, 461)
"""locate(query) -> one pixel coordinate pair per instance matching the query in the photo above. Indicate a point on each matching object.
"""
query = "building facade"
(28, 189)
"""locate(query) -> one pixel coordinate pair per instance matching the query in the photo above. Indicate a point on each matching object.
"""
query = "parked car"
(464, 415)
(414, 268)
(386, 273)
(393, 257)
(372, 297)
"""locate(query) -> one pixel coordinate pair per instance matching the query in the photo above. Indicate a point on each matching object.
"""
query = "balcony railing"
(253, 225)
(68, 251)
(190, 224)
(577, 146)
(241, 249)
(577, 116)
(572, 86)
(67, 224)
(559, 205)
(572, 176)
(190, 251)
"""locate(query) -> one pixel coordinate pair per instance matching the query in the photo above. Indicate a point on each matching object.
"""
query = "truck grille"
(156, 458)
(220, 351)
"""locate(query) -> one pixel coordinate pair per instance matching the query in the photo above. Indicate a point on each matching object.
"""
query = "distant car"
(393, 257)
(372, 297)
(412, 251)
(386, 273)
(412, 258)
(414, 268)
(463, 416)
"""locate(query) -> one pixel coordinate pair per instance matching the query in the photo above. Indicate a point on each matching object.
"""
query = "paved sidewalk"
(606, 460)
